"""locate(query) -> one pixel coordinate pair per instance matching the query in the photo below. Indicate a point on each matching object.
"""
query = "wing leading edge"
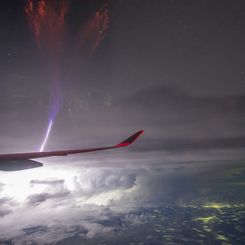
(33, 155)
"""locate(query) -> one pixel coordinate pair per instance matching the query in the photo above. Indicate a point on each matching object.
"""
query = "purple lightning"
(46, 136)
(48, 22)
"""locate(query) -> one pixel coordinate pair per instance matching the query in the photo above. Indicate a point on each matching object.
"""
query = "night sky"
(101, 70)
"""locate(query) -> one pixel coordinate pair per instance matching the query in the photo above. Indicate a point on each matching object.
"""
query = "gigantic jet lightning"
(50, 26)
(21, 161)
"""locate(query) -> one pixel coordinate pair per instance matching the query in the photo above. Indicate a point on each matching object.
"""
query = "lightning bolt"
(46, 136)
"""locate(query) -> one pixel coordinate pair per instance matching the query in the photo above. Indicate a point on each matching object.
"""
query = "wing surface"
(33, 155)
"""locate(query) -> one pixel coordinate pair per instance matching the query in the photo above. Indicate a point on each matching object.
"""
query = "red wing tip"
(130, 140)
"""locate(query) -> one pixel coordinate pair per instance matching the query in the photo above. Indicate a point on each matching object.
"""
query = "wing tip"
(130, 139)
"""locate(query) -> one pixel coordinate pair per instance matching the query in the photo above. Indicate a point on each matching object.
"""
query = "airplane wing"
(33, 155)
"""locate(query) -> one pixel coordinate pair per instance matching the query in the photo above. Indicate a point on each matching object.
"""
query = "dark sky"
(173, 68)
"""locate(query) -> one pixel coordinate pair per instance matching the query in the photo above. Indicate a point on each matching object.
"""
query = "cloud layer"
(88, 198)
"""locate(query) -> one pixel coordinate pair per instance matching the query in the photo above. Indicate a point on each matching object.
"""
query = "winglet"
(130, 140)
